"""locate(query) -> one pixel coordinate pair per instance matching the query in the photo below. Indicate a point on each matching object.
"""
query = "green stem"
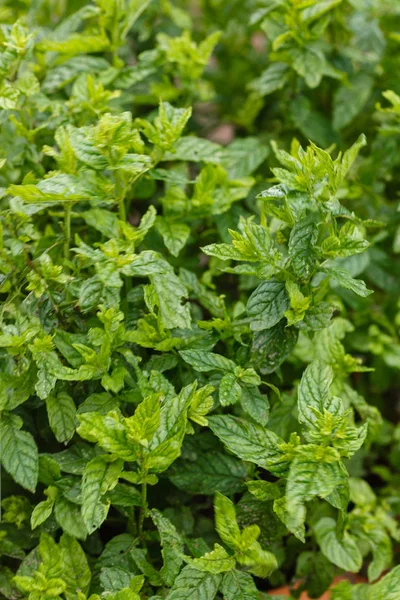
(114, 42)
(128, 287)
(143, 510)
(121, 209)
(16, 68)
(128, 201)
(67, 230)
(120, 193)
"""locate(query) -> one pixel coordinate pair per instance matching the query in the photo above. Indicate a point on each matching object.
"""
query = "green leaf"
(160, 457)
(313, 393)
(168, 125)
(263, 490)
(103, 220)
(343, 553)
(75, 44)
(193, 149)
(349, 157)
(258, 561)
(267, 305)
(272, 79)
(317, 572)
(293, 521)
(248, 440)
(43, 510)
(225, 521)
(230, 391)
(19, 453)
(108, 432)
(99, 476)
(175, 235)
(243, 156)
(272, 346)
(124, 495)
(203, 361)
(312, 478)
(171, 292)
(74, 459)
(102, 403)
(90, 293)
(172, 547)
(302, 254)
(146, 263)
(85, 149)
(75, 568)
(165, 446)
(310, 64)
(61, 411)
(124, 594)
(226, 252)
(361, 492)
(307, 479)
(318, 9)
(347, 281)
(317, 317)
(69, 518)
(114, 578)
(216, 561)
(339, 498)
(192, 584)
(15, 390)
(209, 473)
(382, 555)
(334, 246)
(387, 588)
(50, 553)
(255, 404)
(237, 585)
(139, 557)
(7, 582)
(144, 423)
(350, 99)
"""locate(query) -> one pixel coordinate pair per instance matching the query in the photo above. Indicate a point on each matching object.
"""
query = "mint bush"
(199, 340)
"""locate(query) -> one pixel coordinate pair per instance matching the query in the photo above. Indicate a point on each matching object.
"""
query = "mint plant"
(199, 336)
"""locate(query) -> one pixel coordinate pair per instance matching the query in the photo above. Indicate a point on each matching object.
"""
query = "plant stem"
(121, 209)
(120, 193)
(143, 509)
(67, 230)
(128, 287)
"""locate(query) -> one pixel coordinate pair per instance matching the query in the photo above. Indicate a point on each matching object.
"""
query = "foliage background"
(120, 473)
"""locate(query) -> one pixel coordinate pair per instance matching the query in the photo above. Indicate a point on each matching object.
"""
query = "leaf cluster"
(199, 284)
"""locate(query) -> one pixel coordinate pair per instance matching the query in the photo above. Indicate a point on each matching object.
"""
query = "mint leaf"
(343, 553)
(192, 584)
(216, 561)
(76, 572)
(61, 412)
(355, 285)
(267, 305)
(248, 440)
(191, 228)
(206, 361)
(237, 585)
(19, 453)
(209, 473)
(98, 477)
(172, 545)
(314, 395)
